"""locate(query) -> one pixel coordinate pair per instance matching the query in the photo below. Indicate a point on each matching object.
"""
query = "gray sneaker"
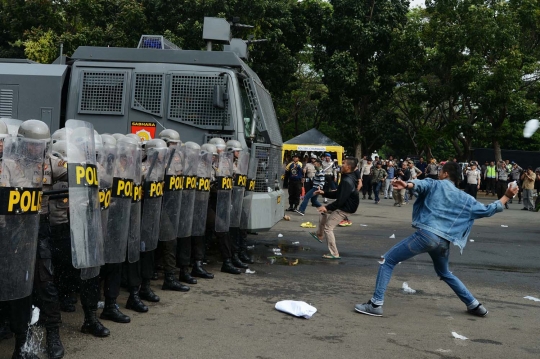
(367, 308)
(479, 311)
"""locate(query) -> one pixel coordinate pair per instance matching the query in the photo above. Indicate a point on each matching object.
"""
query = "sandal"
(314, 235)
(329, 256)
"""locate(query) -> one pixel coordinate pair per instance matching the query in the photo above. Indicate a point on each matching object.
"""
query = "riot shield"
(120, 207)
(172, 194)
(134, 232)
(84, 208)
(12, 125)
(89, 273)
(188, 196)
(21, 181)
(239, 185)
(153, 169)
(224, 187)
(202, 194)
(105, 171)
(248, 193)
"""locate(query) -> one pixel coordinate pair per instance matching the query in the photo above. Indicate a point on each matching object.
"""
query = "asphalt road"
(234, 316)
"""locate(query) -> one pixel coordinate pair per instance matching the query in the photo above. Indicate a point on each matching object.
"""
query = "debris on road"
(504, 226)
(458, 336)
(363, 225)
(407, 289)
(280, 235)
(296, 308)
(534, 299)
(392, 236)
(249, 271)
(308, 225)
(295, 243)
(35, 315)
(471, 240)
(287, 218)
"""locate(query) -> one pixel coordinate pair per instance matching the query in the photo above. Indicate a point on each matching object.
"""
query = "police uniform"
(238, 239)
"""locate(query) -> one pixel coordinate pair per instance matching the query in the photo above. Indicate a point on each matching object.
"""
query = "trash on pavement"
(407, 289)
(392, 236)
(249, 271)
(471, 240)
(295, 243)
(458, 336)
(280, 235)
(287, 218)
(363, 225)
(35, 315)
(504, 226)
(296, 308)
(293, 262)
(308, 225)
(532, 298)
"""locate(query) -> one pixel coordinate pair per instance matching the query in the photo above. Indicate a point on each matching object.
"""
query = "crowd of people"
(376, 176)
(114, 210)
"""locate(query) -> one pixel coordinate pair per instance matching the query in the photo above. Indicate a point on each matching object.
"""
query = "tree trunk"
(358, 151)
(497, 150)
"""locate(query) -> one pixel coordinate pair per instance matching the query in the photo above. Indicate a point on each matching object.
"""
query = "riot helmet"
(3, 130)
(117, 136)
(59, 135)
(59, 149)
(130, 140)
(34, 129)
(192, 145)
(108, 140)
(208, 147)
(135, 137)
(170, 136)
(219, 143)
(234, 145)
(155, 143)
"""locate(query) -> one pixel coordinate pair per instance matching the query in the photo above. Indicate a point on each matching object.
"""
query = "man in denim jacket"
(442, 214)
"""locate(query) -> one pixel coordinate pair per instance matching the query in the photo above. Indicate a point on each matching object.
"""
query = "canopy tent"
(313, 141)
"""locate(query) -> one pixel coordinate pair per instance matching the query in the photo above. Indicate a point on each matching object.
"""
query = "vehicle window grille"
(103, 93)
(6, 103)
(268, 161)
(190, 101)
(148, 93)
(261, 103)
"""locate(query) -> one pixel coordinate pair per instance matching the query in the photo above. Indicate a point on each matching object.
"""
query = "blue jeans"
(420, 242)
(377, 190)
(309, 195)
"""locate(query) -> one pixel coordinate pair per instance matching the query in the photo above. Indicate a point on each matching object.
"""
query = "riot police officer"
(171, 210)
(240, 167)
(67, 276)
(45, 291)
(216, 222)
(21, 174)
(140, 273)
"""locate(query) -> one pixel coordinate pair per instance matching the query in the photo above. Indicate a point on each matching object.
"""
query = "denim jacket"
(446, 211)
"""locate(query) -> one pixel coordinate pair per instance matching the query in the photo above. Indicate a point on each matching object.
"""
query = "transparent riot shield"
(84, 208)
(120, 208)
(134, 232)
(153, 169)
(190, 189)
(12, 125)
(172, 194)
(21, 182)
(224, 186)
(89, 273)
(239, 185)
(202, 194)
(105, 171)
(248, 193)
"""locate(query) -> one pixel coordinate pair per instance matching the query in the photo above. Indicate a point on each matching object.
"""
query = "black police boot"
(185, 277)
(18, 353)
(237, 262)
(199, 271)
(92, 325)
(112, 312)
(147, 293)
(134, 302)
(67, 305)
(228, 267)
(246, 258)
(55, 349)
(290, 209)
(5, 332)
(170, 283)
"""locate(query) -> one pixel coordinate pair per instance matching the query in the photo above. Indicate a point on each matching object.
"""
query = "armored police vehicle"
(200, 94)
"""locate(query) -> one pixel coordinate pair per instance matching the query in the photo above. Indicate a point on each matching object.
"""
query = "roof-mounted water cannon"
(216, 30)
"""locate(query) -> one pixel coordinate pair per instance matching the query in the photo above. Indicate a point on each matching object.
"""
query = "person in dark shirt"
(294, 174)
(403, 174)
(346, 202)
(422, 165)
